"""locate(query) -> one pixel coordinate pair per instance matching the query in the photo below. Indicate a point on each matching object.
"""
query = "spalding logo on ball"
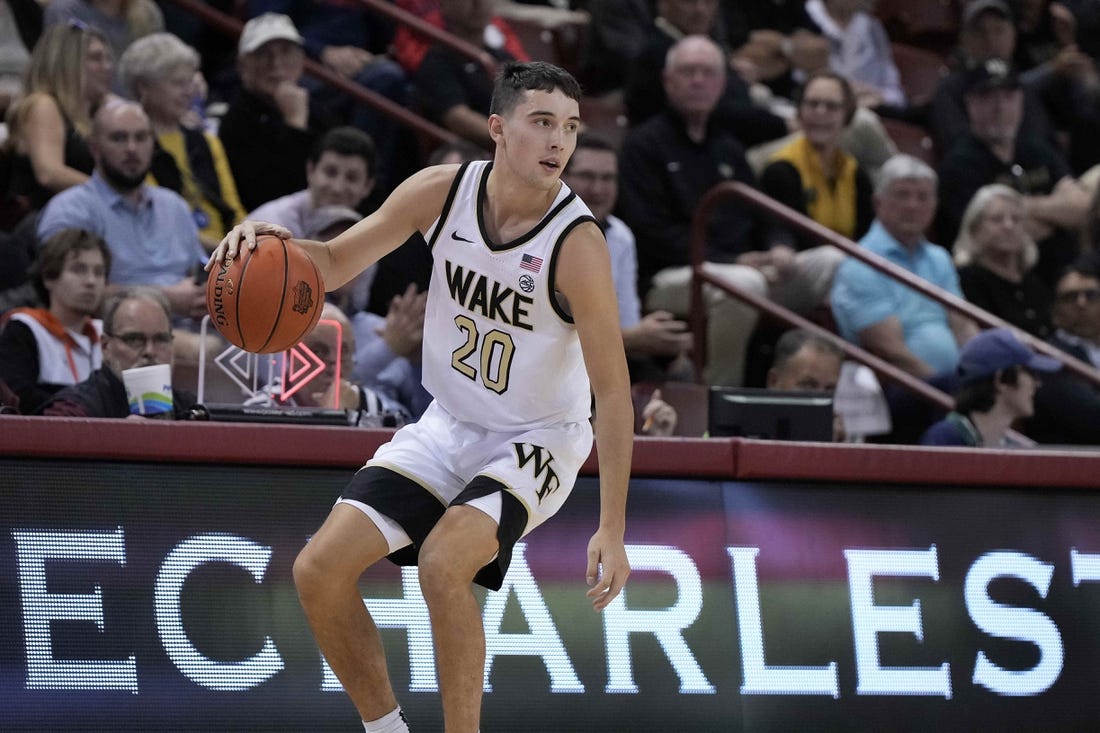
(268, 298)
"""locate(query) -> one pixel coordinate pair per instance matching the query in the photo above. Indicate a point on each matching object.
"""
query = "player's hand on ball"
(608, 568)
(244, 234)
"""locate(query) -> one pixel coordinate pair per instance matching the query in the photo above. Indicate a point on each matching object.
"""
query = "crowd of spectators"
(134, 138)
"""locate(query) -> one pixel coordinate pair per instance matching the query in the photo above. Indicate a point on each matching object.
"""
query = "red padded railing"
(730, 459)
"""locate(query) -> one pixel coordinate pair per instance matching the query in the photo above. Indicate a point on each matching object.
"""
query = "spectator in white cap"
(997, 382)
(269, 128)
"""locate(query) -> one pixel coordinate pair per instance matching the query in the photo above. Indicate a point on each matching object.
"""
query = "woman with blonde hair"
(161, 72)
(120, 21)
(995, 257)
(68, 78)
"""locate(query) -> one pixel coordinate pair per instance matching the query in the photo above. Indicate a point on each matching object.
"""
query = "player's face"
(594, 176)
(79, 287)
(139, 336)
(338, 180)
(538, 136)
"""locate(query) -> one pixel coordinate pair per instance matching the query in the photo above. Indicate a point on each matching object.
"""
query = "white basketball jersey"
(499, 350)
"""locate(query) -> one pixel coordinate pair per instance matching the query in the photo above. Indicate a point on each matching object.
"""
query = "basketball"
(266, 299)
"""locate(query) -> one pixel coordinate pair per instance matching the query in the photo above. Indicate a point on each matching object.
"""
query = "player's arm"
(584, 278)
(412, 206)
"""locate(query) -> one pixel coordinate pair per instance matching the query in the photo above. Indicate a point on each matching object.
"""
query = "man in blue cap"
(997, 382)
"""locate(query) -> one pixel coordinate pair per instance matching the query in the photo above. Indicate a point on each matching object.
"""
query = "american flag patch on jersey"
(530, 262)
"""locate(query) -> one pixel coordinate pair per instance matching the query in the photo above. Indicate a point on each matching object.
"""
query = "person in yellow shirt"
(161, 72)
(812, 174)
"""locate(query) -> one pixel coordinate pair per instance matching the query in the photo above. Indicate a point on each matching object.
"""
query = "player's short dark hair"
(516, 78)
(345, 140)
(55, 250)
(792, 341)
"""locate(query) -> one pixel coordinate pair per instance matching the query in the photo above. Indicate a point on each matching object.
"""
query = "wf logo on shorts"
(525, 453)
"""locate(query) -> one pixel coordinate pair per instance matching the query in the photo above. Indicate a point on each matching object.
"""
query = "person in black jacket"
(1067, 406)
(137, 332)
(270, 127)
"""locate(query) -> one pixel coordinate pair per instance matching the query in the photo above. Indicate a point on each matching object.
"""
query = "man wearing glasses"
(1067, 407)
(137, 332)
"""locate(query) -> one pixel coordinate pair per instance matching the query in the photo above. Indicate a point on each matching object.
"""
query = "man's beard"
(121, 181)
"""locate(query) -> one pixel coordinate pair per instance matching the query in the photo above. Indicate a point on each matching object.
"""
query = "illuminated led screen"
(159, 597)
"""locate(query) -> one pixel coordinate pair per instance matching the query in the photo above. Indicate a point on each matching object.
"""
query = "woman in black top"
(996, 256)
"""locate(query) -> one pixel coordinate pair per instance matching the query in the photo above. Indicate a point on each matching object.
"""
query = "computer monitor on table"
(770, 414)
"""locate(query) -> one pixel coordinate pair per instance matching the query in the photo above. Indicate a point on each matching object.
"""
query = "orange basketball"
(267, 298)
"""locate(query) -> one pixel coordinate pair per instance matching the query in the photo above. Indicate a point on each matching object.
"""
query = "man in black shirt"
(668, 164)
(994, 150)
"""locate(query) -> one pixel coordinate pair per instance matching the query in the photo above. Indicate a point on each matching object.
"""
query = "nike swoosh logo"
(454, 236)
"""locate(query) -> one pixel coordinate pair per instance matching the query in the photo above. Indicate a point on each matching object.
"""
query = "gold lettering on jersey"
(479, 294)
(525, 453)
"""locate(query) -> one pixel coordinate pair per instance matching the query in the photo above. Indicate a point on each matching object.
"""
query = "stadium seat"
(606, 116)
(912, 139)
(927, 24)
(551, 36)
(920, 70)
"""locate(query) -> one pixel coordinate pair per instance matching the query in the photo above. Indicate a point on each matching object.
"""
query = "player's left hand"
(608, 568)
(241, 236)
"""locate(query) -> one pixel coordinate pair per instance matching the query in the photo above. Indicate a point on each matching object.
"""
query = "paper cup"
(149, 390)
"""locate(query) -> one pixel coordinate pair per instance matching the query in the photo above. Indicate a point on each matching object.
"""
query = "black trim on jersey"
(448, 203)
(401, 499)
(482, 193)
(513, 520)
(417, 511)
(552, 273)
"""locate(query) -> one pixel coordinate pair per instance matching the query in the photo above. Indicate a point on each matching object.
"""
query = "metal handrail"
(231, 26)
(811, 228)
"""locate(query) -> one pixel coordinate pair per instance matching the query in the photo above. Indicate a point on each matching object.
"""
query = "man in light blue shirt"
(150, 230)
(884, 316)
(890, 319)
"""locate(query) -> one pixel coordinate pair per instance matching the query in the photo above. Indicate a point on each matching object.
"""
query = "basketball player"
(521, 330)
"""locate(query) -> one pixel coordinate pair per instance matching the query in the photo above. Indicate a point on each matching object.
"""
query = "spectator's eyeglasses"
(1071, 297)
(137, 340)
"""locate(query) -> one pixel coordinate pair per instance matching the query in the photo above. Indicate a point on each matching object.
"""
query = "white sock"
(392, 722)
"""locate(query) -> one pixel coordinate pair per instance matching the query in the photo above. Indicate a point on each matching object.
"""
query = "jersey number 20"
(495, 349)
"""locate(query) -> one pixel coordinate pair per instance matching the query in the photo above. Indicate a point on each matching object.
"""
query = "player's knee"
(439, 572)
(310, 577)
